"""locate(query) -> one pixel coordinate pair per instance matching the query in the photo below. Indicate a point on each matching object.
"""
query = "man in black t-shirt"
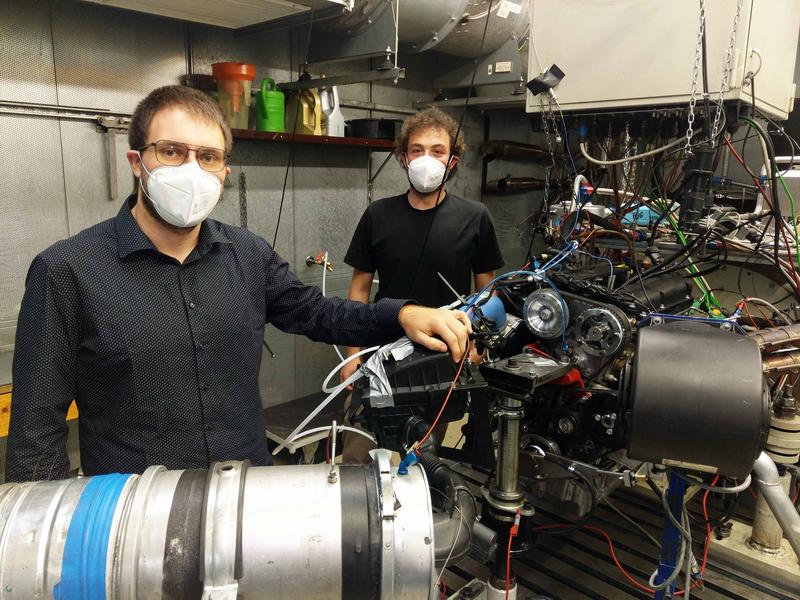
(393, 238)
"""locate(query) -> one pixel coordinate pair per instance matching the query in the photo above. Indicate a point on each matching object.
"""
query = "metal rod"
(363, 77)
(59, 107)
(401, 110)
(508, 457)
(768, 481)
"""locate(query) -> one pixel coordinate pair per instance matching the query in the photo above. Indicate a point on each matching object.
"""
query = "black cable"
(433, 210)
(290, 160)
(773, 167)
(585, 518)
(707, 124)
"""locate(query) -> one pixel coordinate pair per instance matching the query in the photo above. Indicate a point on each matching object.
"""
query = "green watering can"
(269, 107)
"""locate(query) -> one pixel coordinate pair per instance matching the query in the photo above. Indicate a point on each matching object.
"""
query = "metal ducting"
(508, 19)
(231, 532)
(450, 26)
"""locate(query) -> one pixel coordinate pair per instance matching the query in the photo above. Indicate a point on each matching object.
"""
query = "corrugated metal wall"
(54, 175)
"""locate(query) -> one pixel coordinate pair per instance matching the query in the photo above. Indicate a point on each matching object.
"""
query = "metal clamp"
(222, 531)
(125, 579)
(112, 126)
(381, 462)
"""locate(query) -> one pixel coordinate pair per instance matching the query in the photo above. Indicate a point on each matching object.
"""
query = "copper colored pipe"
(776, 336)
(784, 361)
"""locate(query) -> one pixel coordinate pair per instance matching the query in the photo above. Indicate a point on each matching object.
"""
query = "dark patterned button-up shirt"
(161, 357)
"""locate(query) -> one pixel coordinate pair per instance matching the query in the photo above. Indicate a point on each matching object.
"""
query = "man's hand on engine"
(437, 329)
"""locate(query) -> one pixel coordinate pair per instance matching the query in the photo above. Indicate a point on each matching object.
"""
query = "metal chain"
(559, 140)
(242, 200)
(726, 71)
(548, 170)
(698, 52)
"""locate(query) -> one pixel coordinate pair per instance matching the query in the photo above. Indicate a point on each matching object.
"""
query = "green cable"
(794, 220)
(708, 296)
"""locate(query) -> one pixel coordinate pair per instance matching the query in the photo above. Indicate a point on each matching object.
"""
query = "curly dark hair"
(430, 118)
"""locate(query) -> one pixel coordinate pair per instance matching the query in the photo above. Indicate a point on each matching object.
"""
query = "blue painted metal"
(671, 540)
(83, 571)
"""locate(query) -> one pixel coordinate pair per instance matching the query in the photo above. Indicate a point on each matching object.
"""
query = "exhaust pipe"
(769, 484)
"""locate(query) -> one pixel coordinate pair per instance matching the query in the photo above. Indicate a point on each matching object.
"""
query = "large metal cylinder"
(507, 20)
(228, 533)
(697, 396)
(450, 26)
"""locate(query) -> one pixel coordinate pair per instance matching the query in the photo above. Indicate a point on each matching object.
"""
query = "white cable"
(355, 376)
(768, 305)
(461, 523)
(339, 367)
(339, 429)
(725, 490)
(620, 161)
(576, 190)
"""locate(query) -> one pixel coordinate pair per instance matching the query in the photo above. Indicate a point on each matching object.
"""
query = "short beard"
(151, 209)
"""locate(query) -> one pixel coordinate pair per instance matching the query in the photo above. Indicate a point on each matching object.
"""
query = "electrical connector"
(515, 527)
(409, 460)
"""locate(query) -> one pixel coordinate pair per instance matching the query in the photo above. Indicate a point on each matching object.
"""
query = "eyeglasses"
(173, 154)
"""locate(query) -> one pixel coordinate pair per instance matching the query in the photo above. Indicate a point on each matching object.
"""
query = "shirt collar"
(130, 237)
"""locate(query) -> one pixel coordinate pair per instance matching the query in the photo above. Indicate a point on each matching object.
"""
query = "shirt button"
(192, 305)
(204, 387)
(209, 427)
(201, 346)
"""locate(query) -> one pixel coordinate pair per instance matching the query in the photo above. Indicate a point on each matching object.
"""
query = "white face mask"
(425, 174)
(184, 195)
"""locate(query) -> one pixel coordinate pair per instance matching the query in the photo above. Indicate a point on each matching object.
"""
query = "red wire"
(536, 350)
(508, 564)
(446, 398)
(622, 570)
(778, 226)
(512, 533)
(707, 545)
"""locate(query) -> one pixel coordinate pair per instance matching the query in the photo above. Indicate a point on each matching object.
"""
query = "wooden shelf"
(269, 136)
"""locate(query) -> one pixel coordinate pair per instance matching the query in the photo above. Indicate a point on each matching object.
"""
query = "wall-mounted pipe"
(509, 185)
(503, 149)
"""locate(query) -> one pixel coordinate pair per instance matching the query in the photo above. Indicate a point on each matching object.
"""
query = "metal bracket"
(381, 462)
(222, 530)
(363, 77)
(112, 125)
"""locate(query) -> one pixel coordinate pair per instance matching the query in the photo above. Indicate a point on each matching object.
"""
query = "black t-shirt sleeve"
(359, 254)
(489, 257)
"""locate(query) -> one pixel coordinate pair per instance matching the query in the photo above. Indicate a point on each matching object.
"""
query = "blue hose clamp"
(83, 568)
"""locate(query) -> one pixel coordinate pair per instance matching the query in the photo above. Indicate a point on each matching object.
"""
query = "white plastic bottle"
(333, 113)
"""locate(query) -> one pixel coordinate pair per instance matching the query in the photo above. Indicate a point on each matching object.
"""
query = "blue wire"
(566, 144)
(608, 260)
(558, 258)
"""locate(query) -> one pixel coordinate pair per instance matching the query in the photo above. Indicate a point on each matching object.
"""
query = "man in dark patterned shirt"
(153, 321)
